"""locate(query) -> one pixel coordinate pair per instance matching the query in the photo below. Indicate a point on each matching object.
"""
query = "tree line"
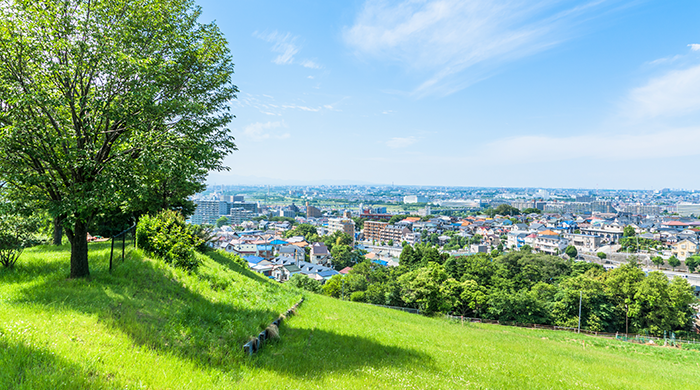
(524, 288)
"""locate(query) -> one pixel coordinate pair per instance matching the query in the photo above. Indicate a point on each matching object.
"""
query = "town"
(657, 228)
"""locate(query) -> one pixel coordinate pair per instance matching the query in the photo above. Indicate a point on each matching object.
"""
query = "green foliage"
(358, 296)
(221, 221)
(422, 288)
(674, 262)
(16, 233)
(168, 237)
(305, 283)
(692, 263)
(629, 231)
(502, 209)
(658, 261)
(128, 105)
(602, 255)
(571, 251)
(526, 248)
(305, 230)
(634, 244)
(532, 210)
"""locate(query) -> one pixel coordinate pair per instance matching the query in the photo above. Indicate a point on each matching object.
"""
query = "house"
(685, 248)
(293, 251)
(319, 254)
(550, 244)
(583, 242)
(284, 272)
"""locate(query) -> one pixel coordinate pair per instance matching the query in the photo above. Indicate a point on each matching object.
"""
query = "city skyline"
(564, 94)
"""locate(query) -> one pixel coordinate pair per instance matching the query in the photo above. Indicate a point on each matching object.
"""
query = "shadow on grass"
(232, 265)
(25, 367)
(315, 353)
(155, 310)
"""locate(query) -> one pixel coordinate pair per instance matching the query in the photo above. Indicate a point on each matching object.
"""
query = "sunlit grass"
(149, 326)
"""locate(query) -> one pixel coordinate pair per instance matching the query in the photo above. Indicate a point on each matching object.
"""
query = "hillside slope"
(148, 326)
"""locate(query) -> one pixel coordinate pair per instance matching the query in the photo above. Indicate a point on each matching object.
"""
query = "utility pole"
(580, 298)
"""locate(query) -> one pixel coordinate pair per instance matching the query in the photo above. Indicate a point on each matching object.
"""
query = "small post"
(123, 245)
(580, 298)
(111, 253)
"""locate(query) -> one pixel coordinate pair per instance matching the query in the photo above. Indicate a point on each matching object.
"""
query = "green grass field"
(147, 326)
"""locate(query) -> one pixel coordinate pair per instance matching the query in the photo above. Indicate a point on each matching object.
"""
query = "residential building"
(373, 230)
(312, 212)
(685, 248)
(345, 225)
(208, 211)
(319, 254)
(394, 233)
(687, 209)
(583, 242)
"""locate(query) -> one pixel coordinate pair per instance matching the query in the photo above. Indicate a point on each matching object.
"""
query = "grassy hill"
(151, 327)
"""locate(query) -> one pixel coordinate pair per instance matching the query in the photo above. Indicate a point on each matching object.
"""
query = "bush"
(16, 233)
(357, 296)
(167, 236)
(306, 283)
(602, 255)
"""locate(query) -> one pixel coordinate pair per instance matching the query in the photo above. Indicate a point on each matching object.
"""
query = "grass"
(149, 326)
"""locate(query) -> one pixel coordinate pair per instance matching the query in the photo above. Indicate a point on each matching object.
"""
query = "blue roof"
(253, 259)
(264, 247)
(278, 242)
(330, 272)
(381, 262)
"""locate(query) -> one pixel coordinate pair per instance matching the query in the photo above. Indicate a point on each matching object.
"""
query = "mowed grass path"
(147, 326)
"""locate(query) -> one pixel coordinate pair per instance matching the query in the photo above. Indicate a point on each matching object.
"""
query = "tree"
(422, 288)
(674, 262)
(97, 97)
(628, 231)
(223, 220)
(526, 248)
(304, 282)
(601, 255)
(305, 230)
(692, 263)
(390, 243)
(571, 251)
(658, 261)
(532, 210)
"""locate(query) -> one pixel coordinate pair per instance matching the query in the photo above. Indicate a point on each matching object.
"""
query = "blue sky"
(580, 94)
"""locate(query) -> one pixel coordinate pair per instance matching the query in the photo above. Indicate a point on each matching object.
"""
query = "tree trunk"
(57, 231)
(79, 267)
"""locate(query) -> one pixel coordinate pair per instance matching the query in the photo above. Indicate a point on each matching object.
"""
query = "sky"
(495, 93)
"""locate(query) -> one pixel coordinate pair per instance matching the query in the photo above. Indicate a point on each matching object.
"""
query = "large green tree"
(100, 98)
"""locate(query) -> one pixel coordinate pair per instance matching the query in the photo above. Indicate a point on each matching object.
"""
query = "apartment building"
(373, 230)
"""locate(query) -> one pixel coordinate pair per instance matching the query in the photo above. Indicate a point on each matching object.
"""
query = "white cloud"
(447, 37)
(675, 93)
(310, 64)
(263, 131)
(399, 142)
(695, 46)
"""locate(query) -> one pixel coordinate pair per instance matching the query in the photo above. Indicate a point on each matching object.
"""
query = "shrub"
(306, 283)
(167, 236)
(357, 296)
(16, 233)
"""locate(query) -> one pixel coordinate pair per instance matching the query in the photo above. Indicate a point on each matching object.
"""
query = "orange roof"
(370, 255)
(412, 219)
(301, 244)
(549, 233)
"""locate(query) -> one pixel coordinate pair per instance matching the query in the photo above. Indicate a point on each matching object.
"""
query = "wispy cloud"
(674, 93)
(310, 64)
(695, 46)
(264, 131)
(285, 44)
(401, 142)
(447, 37)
